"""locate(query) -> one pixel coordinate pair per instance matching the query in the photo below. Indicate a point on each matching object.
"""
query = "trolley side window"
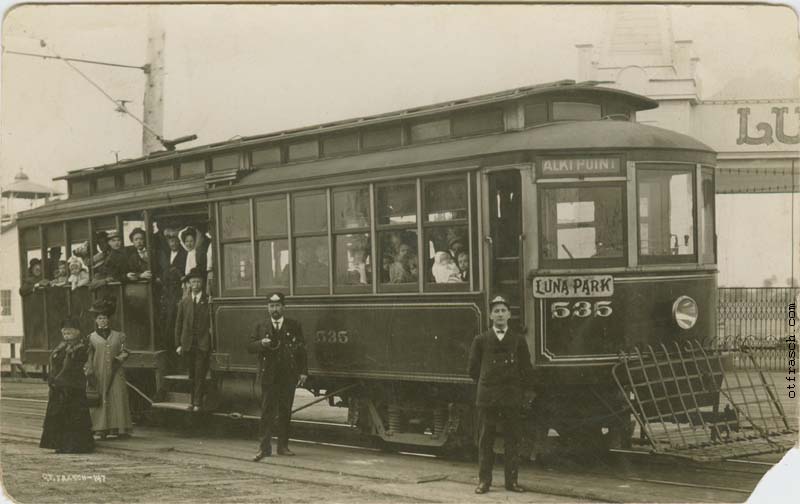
(236, 248)
(666, 214)
(576, 111)
(272, 244)
(101, 226)
(582, 226)
(78, 236)
(352, 245)
(397, 236)
(310, 232)
(31, 245)
(446, 232)
(56, 265)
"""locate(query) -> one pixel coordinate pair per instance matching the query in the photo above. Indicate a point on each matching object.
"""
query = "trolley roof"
(563, 137)
(562, 87)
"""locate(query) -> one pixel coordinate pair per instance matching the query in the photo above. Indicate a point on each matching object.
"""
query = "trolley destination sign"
(588, 166)
(573, 286)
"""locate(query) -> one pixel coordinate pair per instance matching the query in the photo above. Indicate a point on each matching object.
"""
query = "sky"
(244, 70)
(252, 69)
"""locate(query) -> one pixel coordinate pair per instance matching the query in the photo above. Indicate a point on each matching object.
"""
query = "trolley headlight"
(684, 311)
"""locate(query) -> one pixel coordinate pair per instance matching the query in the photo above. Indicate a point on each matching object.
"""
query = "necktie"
(277, 326)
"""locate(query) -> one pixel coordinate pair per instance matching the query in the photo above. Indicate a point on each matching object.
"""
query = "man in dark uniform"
(193, 337)
(499, 361)
(281, 350)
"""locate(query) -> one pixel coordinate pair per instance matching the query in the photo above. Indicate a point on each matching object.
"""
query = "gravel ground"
(33, 475)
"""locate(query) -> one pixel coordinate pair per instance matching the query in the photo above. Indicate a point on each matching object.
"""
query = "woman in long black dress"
(67, 424)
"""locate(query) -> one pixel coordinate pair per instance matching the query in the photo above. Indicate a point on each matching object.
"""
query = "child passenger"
(78, 273)
(62, 276)
(443, 269)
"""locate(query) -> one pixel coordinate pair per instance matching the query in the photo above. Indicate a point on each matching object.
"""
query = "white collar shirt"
(500, 333)
(172, 255)
(277, 324)
(196, 297)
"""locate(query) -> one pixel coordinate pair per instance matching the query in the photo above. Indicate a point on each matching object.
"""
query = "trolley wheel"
(620, 435)
(583, 443)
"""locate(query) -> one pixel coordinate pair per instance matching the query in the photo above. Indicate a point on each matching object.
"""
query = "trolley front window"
(666, 214)
(583, 226)
(709, 233)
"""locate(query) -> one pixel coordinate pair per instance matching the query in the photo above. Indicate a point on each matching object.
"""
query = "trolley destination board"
(586, 166)
(576, 286)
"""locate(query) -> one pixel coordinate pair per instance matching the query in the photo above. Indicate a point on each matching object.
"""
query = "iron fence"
(756, 320)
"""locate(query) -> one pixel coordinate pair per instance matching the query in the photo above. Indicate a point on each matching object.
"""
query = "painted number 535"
(582, 309)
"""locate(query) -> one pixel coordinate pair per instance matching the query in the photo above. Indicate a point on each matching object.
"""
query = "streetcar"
(389, 234)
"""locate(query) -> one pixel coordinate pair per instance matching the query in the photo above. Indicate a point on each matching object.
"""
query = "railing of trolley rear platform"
(756, 320)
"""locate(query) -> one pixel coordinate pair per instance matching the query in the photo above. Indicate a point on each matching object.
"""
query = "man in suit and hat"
(193, 335)
(499, 361)
(34, 279)
(281, 350)
(171, 267)
(114, 266)
(138, 256)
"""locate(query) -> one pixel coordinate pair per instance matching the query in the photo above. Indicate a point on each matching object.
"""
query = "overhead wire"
(120, 106)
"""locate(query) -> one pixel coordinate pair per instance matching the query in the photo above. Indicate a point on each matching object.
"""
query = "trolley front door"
(504, 210)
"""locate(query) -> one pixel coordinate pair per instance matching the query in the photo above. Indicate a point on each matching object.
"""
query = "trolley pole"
(154, 87)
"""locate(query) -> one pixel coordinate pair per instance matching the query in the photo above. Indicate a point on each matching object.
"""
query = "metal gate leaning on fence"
(756, 320)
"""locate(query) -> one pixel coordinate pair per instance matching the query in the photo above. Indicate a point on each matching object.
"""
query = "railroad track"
(730, 480)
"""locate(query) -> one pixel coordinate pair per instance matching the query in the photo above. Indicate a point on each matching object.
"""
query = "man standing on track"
(499, 361)
(281, 350)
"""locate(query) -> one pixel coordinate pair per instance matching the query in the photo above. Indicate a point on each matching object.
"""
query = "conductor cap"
(498, 300)
(276, 297)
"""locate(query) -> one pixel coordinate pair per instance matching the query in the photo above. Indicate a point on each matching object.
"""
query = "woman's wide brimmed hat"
(189, 231)
(112, 233)
(104, 306)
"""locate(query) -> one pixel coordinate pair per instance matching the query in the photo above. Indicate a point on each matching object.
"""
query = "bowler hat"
(276, 297)
(456, 239)
(136, 231)
(498, 300)
(193, 273)
(34, 262)
(70, 323)
(104, 306)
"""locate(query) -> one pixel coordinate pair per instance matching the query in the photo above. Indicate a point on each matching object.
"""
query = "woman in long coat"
(67, 425)
(104, 370)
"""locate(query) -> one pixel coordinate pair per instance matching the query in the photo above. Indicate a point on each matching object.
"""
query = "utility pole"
(154, 87)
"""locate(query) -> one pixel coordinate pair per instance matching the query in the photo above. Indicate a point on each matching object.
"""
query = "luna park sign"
(769, 134)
